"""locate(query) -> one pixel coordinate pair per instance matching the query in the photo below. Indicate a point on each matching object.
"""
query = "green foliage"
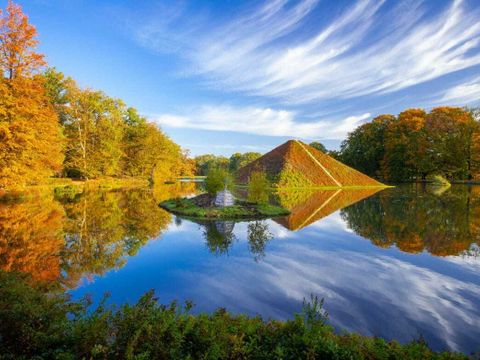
(217, 179)
(37, 325)
(289, 178)
(364, 147)
(416, 144)
(187, 207)
(319, 146)
(31, 323)
(439, 180)
(206, 162)
(258, 236)
(105, 138)
(258, 187)
(239, 160)
(387, 219)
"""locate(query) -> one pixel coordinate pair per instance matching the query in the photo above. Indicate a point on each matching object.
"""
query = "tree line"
(203, 163)
(49, 126)
(417, 144)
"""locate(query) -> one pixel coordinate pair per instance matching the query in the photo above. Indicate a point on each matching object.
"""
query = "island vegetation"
(49, 326)
(203, 206)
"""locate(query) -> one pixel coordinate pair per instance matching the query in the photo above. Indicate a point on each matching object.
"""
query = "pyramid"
(295, 164)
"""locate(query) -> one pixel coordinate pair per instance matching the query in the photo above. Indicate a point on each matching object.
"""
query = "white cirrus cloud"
(260, 121)
(280, 49)
(462, 94)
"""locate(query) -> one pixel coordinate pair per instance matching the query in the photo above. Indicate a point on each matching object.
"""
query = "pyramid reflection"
(309, 206)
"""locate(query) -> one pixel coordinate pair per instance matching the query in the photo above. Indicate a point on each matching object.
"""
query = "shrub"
(39, 325)
(217, 179)
(258, 187)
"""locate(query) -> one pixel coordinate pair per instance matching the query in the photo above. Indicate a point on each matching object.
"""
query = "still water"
(401, 263)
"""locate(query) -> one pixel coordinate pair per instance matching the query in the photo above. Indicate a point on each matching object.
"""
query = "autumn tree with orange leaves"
(30, 134)
(415, 145)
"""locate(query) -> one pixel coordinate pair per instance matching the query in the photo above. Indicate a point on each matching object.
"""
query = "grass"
(241, 210)
(36, 324)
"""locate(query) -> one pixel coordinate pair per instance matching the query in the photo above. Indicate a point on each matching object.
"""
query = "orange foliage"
(17, 41)
(31, 237)
(30, 135)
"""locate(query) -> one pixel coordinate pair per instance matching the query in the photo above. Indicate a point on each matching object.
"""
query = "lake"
(401, 263)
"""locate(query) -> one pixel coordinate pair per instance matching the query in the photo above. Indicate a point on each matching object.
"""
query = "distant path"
(319, 164)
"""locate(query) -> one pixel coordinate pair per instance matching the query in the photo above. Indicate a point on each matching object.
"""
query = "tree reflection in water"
(64, 239)
(258, 237)
(31, 237)
(220, 237)
(103, 228)
(419, 218)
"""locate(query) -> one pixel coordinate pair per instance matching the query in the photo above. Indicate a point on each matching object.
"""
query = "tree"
(406, 148)
(217, 179)
(208, 161)
(452, 133)
(415, 145)
(364, 148)
(258, 187)
(18, 40)
(30, 135)
(239, 160)
(93, 125)
(258, 236)
(319, 146)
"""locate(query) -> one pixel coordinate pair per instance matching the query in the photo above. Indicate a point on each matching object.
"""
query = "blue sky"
(227, 76)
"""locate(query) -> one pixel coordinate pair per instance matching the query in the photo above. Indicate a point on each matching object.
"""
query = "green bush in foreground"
(47, 326)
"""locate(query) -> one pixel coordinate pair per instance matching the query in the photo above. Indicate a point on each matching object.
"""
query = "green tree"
(364, 148)
(239, 160)
(208, 161)
(319, 146)
(258, 187)
(217, 179)
(453, 132)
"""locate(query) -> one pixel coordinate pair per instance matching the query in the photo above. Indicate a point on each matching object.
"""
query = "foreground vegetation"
(241, 210)
(34, 324)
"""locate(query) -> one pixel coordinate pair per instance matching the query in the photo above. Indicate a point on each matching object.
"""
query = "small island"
(204, 206)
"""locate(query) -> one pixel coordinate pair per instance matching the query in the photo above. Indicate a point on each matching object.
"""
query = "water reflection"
(67, 238)
(220, 237)
(419, 218)
(397, 264)
(31, 237)
(101, 229)
(308, 207)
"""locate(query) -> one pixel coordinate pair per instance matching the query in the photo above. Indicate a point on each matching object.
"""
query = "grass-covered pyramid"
(295, 164)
